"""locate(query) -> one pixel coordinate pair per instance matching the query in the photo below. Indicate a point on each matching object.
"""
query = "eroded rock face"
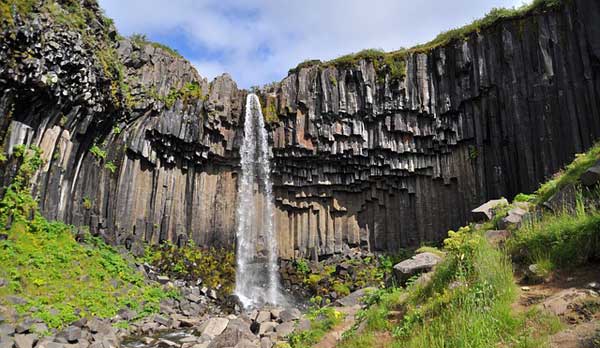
(366, 160)
(359, 158)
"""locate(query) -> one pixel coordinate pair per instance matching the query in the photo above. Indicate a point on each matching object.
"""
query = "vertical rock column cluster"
(360, 157)
(382, 162)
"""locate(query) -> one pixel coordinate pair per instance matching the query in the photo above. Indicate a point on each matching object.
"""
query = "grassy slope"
(476, 311)
(61, 279)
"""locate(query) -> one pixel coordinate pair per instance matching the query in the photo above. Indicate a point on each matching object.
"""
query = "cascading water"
(257, 280)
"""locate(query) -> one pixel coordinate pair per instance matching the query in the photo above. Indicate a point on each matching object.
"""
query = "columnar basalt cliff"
(140, 148)
(365, 159)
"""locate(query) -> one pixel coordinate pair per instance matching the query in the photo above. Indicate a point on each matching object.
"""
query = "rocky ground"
(199, 318)
(574, 297)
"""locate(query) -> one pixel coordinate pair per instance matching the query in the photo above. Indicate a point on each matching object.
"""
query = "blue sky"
(257, 41)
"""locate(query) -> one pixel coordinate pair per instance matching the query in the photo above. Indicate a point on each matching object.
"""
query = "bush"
(110, 166)
(322, 320)
(564, 240)
(97, 152)
(214, 266)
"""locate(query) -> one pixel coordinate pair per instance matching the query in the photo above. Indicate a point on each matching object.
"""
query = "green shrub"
(522, 197)
(97, 152)
(302, 266)
(270, 113)
(110, 166)
(87, 203)
(17, 201)
(213, 265)
(322, 320)
(341, 289)
(565, 240)
(189, 92)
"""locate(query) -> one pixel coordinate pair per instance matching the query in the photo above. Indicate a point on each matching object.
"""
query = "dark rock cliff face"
(359, 158)
(388, 163)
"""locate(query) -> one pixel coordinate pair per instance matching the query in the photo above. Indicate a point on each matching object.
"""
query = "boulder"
(591, 176)
(7, 342)
(534, 274)
(290, 314)
(266, 327)
(194, 298)
(72, 334)
(275, 312)
(423, 262)
(25, 341)
(266, 342)
(563, 302)
(263, 316)
(563, 200)
(285, 329)
(513, 219)
(303, 325)
(486, 211)
(6, 329)
(236, 331)
(354, 298)
(214, 326)
(245, 343)
(162, 320)
(162, 279)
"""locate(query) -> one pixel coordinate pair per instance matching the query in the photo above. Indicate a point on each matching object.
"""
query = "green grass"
(7, 6)
(142, 40)
(430, 249)
(191, 91)
(62, 279)
(563, 240)
(322, 320)
(474, 312)
(570, 175)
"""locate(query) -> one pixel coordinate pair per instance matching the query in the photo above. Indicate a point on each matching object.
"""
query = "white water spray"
(257, 280)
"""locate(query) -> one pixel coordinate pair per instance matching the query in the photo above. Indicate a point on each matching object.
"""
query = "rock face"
(359, 158)
(389, 163)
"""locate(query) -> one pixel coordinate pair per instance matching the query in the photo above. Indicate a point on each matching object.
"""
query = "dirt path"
(568, 296)
(331, 339)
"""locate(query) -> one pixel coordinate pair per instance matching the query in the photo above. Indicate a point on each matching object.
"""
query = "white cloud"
(258, 41)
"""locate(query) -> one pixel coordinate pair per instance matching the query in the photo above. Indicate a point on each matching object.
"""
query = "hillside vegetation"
(469, 299)
(57, 272)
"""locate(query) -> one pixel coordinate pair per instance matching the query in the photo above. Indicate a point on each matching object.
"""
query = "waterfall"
(257, 280)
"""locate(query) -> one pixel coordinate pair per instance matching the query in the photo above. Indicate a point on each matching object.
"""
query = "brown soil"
(566, 295)
(331, 339)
